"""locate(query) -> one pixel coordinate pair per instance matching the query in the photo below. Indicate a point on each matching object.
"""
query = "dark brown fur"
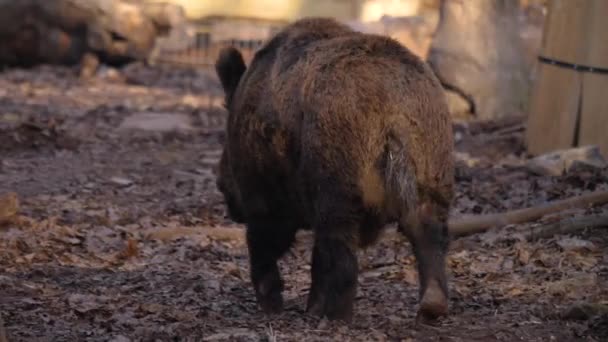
(341, 132)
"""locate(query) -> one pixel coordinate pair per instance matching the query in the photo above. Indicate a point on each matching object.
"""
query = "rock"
(110, 74)
(558, 162)
(466, 159)
(157, 122)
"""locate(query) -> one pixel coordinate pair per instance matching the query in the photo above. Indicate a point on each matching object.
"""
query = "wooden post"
(569, 103)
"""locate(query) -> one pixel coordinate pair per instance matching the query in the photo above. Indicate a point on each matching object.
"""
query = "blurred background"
(488, 42)
(112, 126)
(486, 53)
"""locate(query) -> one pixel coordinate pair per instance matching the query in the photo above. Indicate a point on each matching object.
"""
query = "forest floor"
(121, 234)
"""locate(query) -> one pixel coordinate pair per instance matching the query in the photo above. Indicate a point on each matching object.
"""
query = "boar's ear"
(230, 66)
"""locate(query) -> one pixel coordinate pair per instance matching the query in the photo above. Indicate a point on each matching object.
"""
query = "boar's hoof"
(272, 303)
(434, 303)
(268, 287)
(333, 313)
(340, 314)
(316, 307)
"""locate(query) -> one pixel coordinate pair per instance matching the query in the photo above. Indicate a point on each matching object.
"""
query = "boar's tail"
(412, 202)
(400, 178)
(229, 67)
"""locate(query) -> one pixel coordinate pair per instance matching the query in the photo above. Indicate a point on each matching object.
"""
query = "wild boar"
(343, 133)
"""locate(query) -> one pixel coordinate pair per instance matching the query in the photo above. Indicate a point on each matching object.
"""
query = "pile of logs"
(63, 31)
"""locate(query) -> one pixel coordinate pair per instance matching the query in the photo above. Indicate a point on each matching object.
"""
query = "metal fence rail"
(213, 34)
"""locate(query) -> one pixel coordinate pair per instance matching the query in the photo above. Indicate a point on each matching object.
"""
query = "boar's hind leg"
(429, 240)
(267, 241)
(334, 274)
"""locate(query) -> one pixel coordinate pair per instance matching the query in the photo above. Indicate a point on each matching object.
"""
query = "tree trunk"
(477, 52)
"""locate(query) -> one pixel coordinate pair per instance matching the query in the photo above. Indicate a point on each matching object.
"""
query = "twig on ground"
(567, 226)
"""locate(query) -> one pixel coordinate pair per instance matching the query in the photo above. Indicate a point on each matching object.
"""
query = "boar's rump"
(339, 132)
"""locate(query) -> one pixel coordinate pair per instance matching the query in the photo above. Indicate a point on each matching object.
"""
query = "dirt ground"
(121, 234)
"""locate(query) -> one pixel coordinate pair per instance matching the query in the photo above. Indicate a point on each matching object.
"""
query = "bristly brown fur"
(343, 133)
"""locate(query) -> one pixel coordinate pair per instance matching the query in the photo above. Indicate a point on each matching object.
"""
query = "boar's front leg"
(267, 241)
(334, 273)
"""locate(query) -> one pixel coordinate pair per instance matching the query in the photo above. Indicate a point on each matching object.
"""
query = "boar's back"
(321, 109)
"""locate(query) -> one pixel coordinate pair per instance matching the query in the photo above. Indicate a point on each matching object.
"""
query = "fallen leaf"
(523, 254)
(410, 276)
(573, 287)
(514, 292)
(484, 265)
(69, 240)
(584, 261)
(9, 207)
(545, 259)
(152, 308)
(132, 250)
(232, 269)
(181, 316)
(123, 182)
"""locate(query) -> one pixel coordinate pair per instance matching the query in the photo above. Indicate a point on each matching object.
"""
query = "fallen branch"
(472, 224)
(567, 226)
(585, 311)
(62, 31)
